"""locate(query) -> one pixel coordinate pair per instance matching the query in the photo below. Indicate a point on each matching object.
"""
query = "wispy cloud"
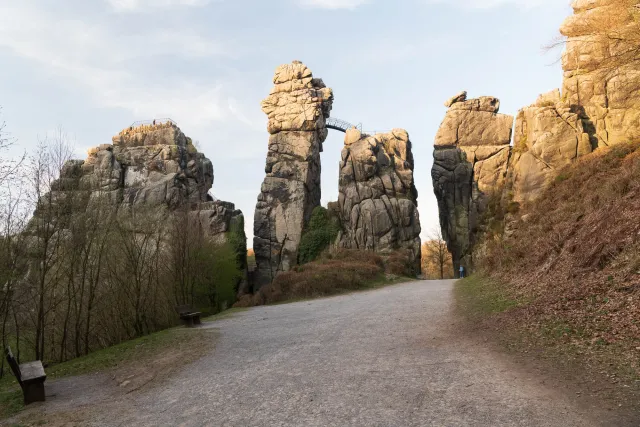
(142, 5)
(115, 67)
(332, 4)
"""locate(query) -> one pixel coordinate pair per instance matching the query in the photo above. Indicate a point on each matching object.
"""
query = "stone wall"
(377, 194)
(297, 108)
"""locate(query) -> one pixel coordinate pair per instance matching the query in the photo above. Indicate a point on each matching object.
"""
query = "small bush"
(334, 273)
(322, 231)
(400, 263)
(219, 281)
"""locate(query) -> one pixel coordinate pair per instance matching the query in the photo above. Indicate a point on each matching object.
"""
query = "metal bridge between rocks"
(343, 126)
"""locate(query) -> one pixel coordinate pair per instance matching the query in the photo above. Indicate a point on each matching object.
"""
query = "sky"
(93, 67)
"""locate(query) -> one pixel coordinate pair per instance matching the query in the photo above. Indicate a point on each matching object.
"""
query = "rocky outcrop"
(147, 167)
(378, 197)
(297, 108)
(601, 79)
(471, 158)
(549, 135)
(599, 106)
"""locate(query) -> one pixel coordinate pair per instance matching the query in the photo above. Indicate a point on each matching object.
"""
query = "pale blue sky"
(93, 67)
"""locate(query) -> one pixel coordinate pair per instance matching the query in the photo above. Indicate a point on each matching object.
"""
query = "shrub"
(333, 273)
(321, 232)
(219, 280)
(400, 263)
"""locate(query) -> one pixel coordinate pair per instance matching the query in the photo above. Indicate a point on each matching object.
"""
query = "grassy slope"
(143, 350)
(566, 284)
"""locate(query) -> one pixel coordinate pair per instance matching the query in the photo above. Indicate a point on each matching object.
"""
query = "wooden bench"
(31, 377)
(189, 317)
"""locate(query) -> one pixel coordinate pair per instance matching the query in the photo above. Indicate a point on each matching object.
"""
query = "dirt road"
(389, 357)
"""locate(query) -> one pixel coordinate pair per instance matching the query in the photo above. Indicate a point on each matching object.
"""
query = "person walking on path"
(461, 272)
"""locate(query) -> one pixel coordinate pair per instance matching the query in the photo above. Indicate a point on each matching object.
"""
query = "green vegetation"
(136, 351)
(220, 274)
(564, 283)
(478, 296)
(225, 314)
(322, 231)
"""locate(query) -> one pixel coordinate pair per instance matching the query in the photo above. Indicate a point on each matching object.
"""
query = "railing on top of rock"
(157, 122)
(375, 132)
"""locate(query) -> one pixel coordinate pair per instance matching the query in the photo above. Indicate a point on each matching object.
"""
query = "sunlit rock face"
(549, 135)
(297, 108)
(596, 83)
(377, 194)
(471, 157)
(599, 105)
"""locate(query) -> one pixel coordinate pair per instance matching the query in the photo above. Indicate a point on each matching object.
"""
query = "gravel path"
(388, 357)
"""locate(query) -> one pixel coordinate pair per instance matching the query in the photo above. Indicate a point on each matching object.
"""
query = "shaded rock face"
(297, 108)
(149, 166)
(471, 158)
(378, 198)
(606, 93)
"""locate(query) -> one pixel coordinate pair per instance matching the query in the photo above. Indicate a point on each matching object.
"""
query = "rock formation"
(599, 105)
(148, 167)
(600, 80)
(471, 156)
(378, 197)
(297, 108)
(549, 135)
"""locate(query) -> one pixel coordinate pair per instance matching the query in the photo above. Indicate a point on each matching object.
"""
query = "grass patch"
(225, 314)
(478, 296)
(134, 351)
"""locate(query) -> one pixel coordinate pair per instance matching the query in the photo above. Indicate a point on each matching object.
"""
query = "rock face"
(599, 106)
(378, 197)
(148, 167)
(596, 82)
(549, 135)
(297, 108)
(471, 158)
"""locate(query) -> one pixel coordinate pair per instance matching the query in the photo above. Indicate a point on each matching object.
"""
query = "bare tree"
(9, 167)
(46, 231)
(613, 31)
(435, 254)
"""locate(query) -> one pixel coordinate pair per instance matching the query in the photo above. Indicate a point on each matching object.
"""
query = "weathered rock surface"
(147, 167)
(297, 108)
(549, 135)
(471, 158)
(378, 197)
(595, 82)
(599, 106)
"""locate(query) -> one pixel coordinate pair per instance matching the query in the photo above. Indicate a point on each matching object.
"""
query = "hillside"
(565, 276)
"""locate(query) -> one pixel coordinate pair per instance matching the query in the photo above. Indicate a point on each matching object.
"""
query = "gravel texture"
(389, 357)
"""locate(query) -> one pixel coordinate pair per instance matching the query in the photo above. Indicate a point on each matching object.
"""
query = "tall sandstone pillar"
(378, 199)
(471, 157)
(297, 108)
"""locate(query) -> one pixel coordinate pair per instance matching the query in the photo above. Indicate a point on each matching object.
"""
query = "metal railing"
(341, 125)
(152, 122)
(375, 132)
